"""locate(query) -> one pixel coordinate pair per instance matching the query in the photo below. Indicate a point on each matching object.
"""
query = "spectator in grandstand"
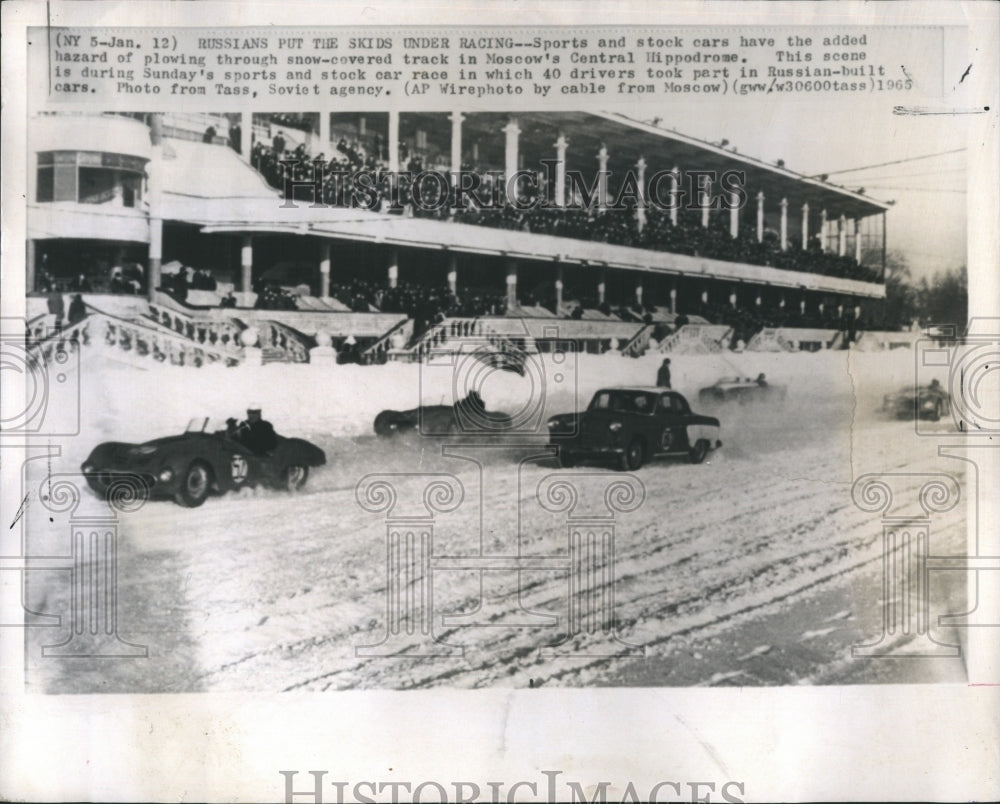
(278, 144)
(236, 137)
(81, 283)
(77, 309)
(117, 284)
(663, 375)
(209, 135)
(203, 280)
(229, 300)
(56, 307)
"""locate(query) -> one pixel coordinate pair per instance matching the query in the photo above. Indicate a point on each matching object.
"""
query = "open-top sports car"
(190, 466)
(742, 390)
(467, 417)
(631, 425)
(918, 402)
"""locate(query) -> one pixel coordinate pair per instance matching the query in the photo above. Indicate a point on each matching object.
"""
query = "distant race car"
(628, 426)
(743, 391)
(200, 461)
(467, 417)
(921, 402)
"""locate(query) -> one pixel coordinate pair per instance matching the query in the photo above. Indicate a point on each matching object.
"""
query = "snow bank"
(125, 403)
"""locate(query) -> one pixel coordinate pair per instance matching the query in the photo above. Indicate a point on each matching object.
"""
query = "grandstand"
(187, 214)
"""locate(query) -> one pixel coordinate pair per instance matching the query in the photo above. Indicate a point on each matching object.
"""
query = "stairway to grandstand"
(698, 339)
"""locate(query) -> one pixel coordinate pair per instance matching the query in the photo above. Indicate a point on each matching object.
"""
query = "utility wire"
(883, 164)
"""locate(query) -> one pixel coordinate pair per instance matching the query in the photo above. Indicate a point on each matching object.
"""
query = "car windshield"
(205, 424)
(624, 401)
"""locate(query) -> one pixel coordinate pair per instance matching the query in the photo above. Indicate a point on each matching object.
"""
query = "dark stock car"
(631, 425)
(742, 391)
(190, 466)
(464, 418)
(921, 402)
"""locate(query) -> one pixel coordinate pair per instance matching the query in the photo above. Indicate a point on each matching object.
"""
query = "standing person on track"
(663, 375)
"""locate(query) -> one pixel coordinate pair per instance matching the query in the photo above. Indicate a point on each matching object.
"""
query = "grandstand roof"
(628, 139)
(202, 170)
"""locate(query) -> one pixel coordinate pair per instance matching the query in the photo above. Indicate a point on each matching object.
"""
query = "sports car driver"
(254, 433)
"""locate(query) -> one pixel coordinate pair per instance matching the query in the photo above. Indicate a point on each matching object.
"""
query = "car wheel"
(635, 454)
(698, 452)
(385, 424)
(936, 415)
(294, 477)
(195, 485)
(566, 461)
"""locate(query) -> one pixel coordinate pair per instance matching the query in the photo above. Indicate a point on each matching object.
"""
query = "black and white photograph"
(438, 362)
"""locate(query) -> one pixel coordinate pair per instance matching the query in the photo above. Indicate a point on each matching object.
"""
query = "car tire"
(294, 477)
(633, 457)
(936, 415)
(196, 485)
(698, 452)
(385, 424)
(566, 461)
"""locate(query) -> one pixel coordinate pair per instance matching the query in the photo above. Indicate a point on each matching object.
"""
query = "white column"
(732, 299)
(602, 178)
(559, 288)
(784, 224)
(246, 264)
(822, 230)
(805, 226)
(734, 214)
(560, 189)
(760, 217)
(512, 132)
(640, 210)
(453, 274)
(456, 144)
(246, 135)
(155, 186)
(393, 271)
(29, 264)
(324, 133)
(638, 291)
(675, 183)
(705, 190)
(802, 307)
(673, 299)
(511, 284)
(842, 235)
(393, 142)
(602, 286)
(324, 269)
(857, 240)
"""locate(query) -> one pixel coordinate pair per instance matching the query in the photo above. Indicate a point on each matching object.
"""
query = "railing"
(395, 339)
(770, 339)
(221, 334)
(639, 343)
(698, 338)
(459, 329)
(136, 340)
(880, 340)
(284, 343)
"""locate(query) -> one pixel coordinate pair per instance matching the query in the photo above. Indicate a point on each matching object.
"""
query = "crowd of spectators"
(619, 227)
(425, 304)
